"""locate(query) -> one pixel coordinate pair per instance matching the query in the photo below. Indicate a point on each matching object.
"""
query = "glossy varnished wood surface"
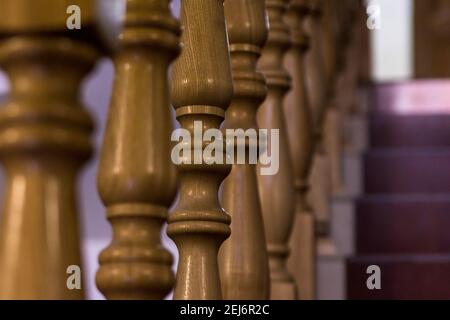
(277, 191)
(44, 140)
(202, 89)
(244, 268)
(136, 178)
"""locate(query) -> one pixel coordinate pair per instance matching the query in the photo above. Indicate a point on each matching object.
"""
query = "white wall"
(392, 43)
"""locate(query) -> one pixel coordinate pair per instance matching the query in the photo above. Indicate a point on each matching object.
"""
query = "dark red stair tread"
(402, 277)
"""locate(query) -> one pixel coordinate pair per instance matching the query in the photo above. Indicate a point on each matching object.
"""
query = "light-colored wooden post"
(277, 190)
(315, 71)
(44, 140)
(137, 179)
(316, 80)
(334, 49)
(202, 91)
(298, 117)
(364, 68)
(351, 107)
(243, 259)
(342, 84)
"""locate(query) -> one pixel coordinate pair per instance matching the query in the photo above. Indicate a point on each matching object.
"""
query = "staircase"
(402, 218)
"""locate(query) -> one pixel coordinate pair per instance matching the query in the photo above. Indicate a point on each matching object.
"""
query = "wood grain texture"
(277, 191)
(243, 259)
(44, 140)
(202, 90)
(136, 178)
(298, 117)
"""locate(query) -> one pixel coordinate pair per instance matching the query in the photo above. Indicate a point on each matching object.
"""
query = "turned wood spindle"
(320, 191)
(342, 92)
(202, 89)
(351, 107)
(277, 190)
(329, 44)
(315, 71)
(137, 179)
(243, 260)
(334, 49)
(44, 140)
(301, 141)
(364, 68)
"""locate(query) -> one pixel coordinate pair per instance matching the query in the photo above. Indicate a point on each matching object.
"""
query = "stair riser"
(410, 131)
(403, 227)
(407, 172)
(400, 279)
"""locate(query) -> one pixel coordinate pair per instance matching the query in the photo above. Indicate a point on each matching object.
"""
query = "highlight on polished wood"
(243, 259)
(136, 178)
(44, 140)
(278, 207)
(202, 89)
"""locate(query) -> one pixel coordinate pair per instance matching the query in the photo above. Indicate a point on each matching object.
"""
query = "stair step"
(409, 131)
(412, 97)
(402, 277)
(402, 220)
(403, 224)
(405, 170)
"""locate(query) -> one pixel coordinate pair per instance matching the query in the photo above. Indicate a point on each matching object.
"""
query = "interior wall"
(392, 43)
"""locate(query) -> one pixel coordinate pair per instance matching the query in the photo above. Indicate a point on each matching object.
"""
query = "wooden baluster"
(136, 179)
(202, 90)
(335, 79)
(360, 52)
(353, 112)
(316, 82)
(44, 140)
(301, 262)
(315, 72)
(341, 95)
(243, 260)
(364, 70)
(277, 190)
(329, 44)
(348, 65)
